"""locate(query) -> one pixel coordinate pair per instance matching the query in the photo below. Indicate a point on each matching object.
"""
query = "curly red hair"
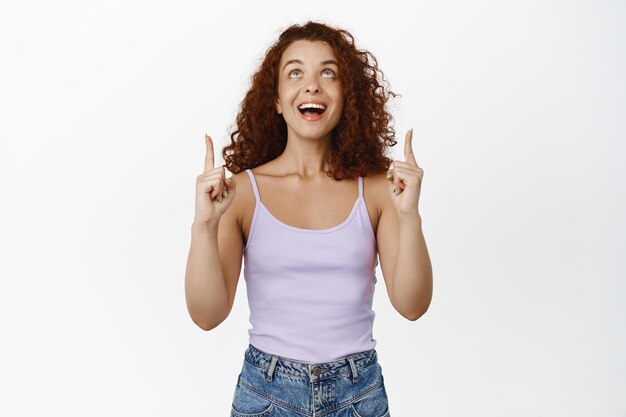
(362, 135)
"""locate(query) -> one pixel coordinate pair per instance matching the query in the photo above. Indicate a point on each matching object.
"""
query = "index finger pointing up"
(208, 159)
(408, 148)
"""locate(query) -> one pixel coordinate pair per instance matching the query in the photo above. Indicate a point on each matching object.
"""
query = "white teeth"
(311, 105)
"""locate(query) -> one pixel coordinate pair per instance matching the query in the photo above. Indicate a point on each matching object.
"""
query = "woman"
(308, 209)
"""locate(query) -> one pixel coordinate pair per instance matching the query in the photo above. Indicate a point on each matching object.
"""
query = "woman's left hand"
(406, 181)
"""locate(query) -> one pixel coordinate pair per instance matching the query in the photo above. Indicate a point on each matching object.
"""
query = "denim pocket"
(248, 404)
(374, 404)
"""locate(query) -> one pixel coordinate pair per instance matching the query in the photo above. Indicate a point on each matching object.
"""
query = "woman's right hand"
(214, 192)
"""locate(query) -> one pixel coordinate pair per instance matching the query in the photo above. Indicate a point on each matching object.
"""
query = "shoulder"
(244, 196)
(376, 187)
(241, 178)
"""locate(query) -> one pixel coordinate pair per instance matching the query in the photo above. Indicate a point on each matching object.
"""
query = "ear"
(279, 109)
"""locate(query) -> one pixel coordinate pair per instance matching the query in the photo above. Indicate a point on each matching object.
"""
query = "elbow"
(207, 325)
(412, 317)
(207, 320)
(412, 314)
(415, 316)
(204, 325)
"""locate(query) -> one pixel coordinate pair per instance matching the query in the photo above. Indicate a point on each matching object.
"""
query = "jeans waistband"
(275, 363)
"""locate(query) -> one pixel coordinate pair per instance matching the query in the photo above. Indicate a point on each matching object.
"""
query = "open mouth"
(312, 113)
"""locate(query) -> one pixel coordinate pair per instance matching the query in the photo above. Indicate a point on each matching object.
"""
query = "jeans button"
(317, 370)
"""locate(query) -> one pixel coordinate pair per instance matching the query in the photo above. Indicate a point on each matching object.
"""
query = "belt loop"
(270, 371)
(355, 374)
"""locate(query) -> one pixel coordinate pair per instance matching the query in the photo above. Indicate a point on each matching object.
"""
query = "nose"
(312, 84)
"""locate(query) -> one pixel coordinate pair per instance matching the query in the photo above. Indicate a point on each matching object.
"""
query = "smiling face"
(309, 73)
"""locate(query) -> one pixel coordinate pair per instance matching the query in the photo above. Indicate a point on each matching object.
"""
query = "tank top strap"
(254, 186)
(360, 186)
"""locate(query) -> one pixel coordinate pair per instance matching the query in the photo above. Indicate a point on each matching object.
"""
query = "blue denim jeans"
(273, 386)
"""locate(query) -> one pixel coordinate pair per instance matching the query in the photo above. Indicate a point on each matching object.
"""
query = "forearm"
(413, 278)
(205, 289)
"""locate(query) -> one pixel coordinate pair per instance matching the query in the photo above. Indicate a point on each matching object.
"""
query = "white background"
(519, 113)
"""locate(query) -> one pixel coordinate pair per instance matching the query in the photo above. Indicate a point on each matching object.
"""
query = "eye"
(326, 71)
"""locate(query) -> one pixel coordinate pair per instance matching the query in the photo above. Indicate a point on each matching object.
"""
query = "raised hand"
(406, 181)
(214, 192)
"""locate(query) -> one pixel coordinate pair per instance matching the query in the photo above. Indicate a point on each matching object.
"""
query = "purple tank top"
(310, 291)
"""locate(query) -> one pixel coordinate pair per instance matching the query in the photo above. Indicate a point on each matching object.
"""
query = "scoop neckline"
(341, 225)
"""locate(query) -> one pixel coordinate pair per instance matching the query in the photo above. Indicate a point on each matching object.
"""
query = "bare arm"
(212, 274)
(403, 253)
(413, 277)
(205, 289)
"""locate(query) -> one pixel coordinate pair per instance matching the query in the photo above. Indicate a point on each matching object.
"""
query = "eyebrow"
(297, 61)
